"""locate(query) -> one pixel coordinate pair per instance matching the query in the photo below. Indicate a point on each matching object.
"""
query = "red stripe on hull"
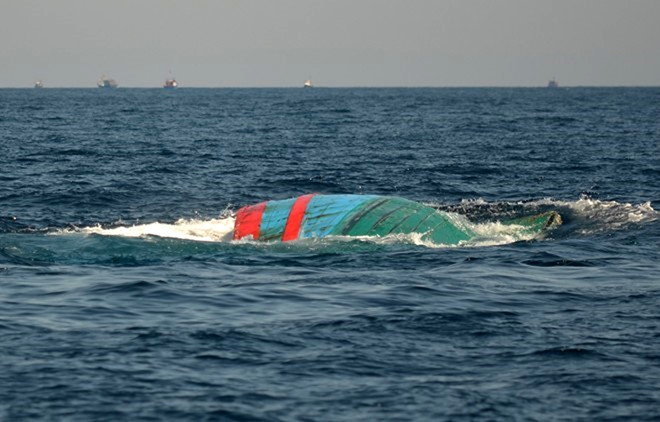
(292, 229)
(248, 221)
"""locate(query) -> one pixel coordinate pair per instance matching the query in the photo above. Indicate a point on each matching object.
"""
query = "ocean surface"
(123, 297)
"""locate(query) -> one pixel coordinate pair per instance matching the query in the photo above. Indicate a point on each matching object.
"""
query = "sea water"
(123, 297)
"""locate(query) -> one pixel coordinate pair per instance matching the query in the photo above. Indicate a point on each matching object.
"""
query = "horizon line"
(327, 87)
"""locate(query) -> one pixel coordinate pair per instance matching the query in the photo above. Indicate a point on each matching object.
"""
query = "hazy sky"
(218, 43)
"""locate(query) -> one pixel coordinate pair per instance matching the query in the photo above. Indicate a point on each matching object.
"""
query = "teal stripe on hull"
(372, 215)
(391, 215)
(325, 213)
(274, 219)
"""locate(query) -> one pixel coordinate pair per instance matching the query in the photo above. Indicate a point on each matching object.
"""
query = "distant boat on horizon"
(170, 83)
(39, 84)
(308, 84)
(552, 83)
(105, 82)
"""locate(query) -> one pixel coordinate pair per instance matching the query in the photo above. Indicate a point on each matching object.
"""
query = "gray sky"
(225, 43)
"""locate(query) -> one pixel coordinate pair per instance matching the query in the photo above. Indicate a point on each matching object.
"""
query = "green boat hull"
(318, 216)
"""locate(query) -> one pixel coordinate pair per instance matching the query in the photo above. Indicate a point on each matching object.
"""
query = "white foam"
(215, 230)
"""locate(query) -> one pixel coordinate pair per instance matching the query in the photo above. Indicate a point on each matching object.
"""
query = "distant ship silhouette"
(170, 83)
(106, 82)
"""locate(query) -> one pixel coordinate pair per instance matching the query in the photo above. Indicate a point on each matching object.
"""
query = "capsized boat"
(317, 216)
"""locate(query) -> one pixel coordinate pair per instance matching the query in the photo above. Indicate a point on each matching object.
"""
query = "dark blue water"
(121, 297)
